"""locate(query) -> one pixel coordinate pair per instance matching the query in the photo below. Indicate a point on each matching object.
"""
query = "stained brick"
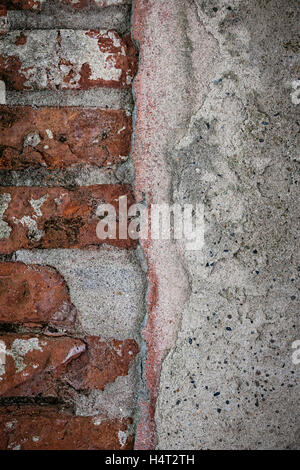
(62, 137)
(34, 294)
(34, 217)
(56, 367)
(44, 428)
(101, 363)
(66, 59)
(35, 363)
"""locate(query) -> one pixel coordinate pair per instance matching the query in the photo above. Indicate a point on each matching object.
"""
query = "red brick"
(94, 364)
(22, 4)
(101, 363)
(56, 217)
(34, 294)
(44, 428)
(69, 59)
(34, 363)
(62, 137)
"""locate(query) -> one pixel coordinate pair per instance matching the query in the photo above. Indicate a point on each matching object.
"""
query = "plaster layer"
(229, 382)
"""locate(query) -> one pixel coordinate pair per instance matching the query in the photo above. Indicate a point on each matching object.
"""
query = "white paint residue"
(2, 357)
(97, 421)
(36, 204)
(120, 130)
(296, 93)
(19, 349)
(102, 64)
(33, 232)
(122, 438)
(5, 229)
(49, 133)
(10, 424)
(2, 92)
(74, 351)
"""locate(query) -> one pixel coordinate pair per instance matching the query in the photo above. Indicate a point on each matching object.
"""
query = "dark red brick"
(92, 365)
(36, 217)
(34, 294)
(22, 4)
(45, 428)
(62, 137)
(34, 363)
(101, 363)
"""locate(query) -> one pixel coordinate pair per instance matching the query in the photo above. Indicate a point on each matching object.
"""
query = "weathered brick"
(34, 217)
(62, 137)
(36, 362)
(37, 365)
(66, 59)
(44, 428)
(22, 4)
(101, 363)
(34, 294)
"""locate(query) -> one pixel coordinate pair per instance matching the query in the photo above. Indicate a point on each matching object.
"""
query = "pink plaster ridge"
(159, 88)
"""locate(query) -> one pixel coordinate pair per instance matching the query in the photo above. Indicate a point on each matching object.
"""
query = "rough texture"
(59, 367)
(62, 137)
(35, 217)
(43, 428)
(35, 295)
(66, 59)
(160, 92)
(70, 320)
(101, 364)
(54, 15)
(106, 286)
(34, 363)
(228, 381)
(22, 4)
(98, 3)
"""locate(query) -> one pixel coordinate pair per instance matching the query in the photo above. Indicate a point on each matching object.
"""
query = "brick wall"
(70, 309)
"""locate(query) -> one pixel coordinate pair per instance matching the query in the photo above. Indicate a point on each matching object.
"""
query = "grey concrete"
(58, 15)
(229, 381)
(106, 286)
(81, 175)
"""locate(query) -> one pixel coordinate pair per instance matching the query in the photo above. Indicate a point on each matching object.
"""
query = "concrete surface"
(56, 14)
(225, 91)
(106, 287)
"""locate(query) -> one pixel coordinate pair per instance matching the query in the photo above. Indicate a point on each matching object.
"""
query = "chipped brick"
(44, 428)
(64, 137)
(102, 363)
(34, 294)
(67, 59)
(34, 363)
(34, 217)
